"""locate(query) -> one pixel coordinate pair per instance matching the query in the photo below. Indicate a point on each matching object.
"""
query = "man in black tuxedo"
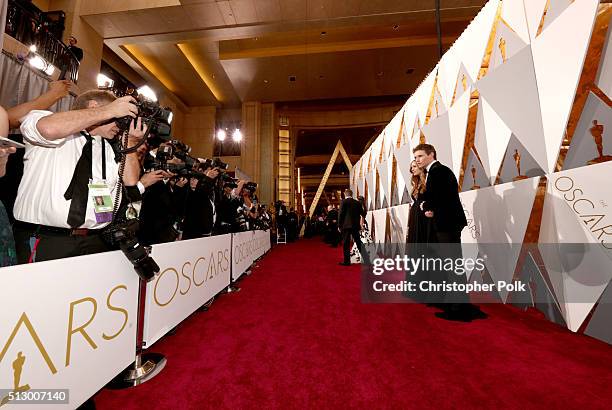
(441, 203)
(349, 223)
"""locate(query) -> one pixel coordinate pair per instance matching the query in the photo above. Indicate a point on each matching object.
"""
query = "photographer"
(200, 207)
(68, 161)
(230, 218)
(159, 210)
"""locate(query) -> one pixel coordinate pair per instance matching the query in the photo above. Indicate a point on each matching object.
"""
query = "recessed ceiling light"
(379, 74)
(266, 81)
(321, 77)
(323, 33)
(410, 71)
(396, 27)
(292, 78)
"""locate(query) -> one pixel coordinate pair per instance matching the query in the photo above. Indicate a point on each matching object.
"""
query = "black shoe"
(476, 313)
(453, 316)
(344, 264)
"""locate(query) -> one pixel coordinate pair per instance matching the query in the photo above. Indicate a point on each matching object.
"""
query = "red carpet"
(298, 336)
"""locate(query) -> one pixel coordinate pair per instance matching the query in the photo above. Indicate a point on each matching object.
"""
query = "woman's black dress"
(420, 234)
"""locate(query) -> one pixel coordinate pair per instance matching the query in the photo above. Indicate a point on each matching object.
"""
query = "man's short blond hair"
(102, 97)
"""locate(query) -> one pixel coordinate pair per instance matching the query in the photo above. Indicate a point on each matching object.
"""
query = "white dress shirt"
(428, 167)
(48, 169)
(427, 175)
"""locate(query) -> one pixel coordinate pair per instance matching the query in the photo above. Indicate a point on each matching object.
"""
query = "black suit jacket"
(442, 197)
(350, 214)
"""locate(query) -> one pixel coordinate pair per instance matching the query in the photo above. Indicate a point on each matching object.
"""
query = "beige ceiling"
(224, 52)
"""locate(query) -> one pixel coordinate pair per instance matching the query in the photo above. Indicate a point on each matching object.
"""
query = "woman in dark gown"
(419, 230)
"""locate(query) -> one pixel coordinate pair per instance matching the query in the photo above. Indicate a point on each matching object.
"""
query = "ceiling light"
(410, 71)
(292, 78)
(266, 81)
(104, 81)
(237, 135)
(379, 74)
(323, 33)
(221, 135)
(147, 93)
(396, 27)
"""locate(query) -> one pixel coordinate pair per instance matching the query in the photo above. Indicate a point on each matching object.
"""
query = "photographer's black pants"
(347, 234)
(55, 246)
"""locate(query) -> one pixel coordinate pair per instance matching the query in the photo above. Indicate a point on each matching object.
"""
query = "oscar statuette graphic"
(464, 82)
(17, 370)
(502, 48)
(474, 186)
(597, 131)
(517, 161)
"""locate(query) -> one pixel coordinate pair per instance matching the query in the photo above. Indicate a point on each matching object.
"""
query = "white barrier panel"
(186, 281)
(246, 247)
(66, 324)
(263, 239)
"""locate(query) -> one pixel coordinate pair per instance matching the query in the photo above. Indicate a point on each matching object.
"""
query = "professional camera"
(189, 167)
(227, 181)
(157, 119)
(251, 187)
(214, 163)
(123, 234)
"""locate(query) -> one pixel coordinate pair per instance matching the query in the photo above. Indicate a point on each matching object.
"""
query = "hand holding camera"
(122, 107)
(154, 177)
(136, 132)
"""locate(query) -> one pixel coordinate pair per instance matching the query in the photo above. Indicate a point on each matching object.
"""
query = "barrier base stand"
(145, 367)
(232, 289)
(206, 305)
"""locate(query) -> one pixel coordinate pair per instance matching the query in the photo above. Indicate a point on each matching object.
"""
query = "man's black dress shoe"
(344, 264)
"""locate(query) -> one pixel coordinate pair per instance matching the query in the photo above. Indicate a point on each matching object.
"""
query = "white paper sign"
(186, 281)
(67, 324)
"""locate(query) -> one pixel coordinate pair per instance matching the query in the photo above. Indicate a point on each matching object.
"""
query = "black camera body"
(123, 234)
(158, 119)
(214, 163)
(188, 168)
(227, 181)
(250, 187)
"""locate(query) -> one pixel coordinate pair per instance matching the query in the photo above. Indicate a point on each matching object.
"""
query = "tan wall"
(198, 130)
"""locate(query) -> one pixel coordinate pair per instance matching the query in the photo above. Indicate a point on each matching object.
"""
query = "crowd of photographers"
(106, 175)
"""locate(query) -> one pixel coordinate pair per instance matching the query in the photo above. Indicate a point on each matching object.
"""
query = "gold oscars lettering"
(596, 220)
(37, 343)
(201, 271)
(517, 161)
(502, 48)
(474, 186)
(597, 132)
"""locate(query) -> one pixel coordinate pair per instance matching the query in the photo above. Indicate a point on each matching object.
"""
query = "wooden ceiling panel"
(204, 15)
(294, 9)
(331, 75)
(244, 11)
(268, 10)
(178, 73)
